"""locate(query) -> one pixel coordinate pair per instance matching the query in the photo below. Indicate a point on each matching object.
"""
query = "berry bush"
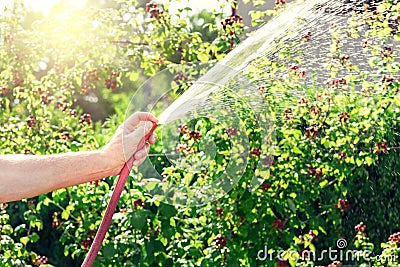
(335, 161)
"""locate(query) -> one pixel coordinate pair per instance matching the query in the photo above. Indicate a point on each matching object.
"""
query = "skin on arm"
(24, 176)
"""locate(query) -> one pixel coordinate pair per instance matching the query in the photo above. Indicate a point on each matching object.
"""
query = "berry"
(386, 53)
(344, 117)
(61, 106)
(183, 129)
(289, 113)
(360, 228)
(139, 203)
(4, 91)
(268, 161)
(342, 155)
(66, 136)
(366, 43)
(301, 74)
(315, 110)
(335, 264)
(387, 79)
(195, 135)
(231, 131)
(312, 235)
(277, 224)
(73, 113)
(307, 37)
(219, 212)
(40, 260)
(96, 182)
(292, 67)
(303, 102)
(182, 148)
(56, 221)
(85, 118)
(86, 243)
(338, 82)
(395, 238)
(317, 172)
(283, 263)
(343, 204)
(266, 186)
(180, 79)
(255, 152)
(30, 121)
(380, 147)
(311, 132)
(220, 241)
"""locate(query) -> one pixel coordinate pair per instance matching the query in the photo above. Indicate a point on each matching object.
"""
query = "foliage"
(333, 142)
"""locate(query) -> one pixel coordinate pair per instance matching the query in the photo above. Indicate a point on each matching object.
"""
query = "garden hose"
(105, 223)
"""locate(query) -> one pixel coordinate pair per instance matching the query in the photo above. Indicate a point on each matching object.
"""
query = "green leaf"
(203, 57)
(34, 237)
(139, 219)
(134, 76)
(167, 210)
(323, 183)
(297, 150)
(24, 240)
(109, 250)
(291, 204)
(369, 161)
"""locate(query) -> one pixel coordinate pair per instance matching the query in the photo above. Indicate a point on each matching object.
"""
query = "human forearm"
(23, 176)
(35, 175)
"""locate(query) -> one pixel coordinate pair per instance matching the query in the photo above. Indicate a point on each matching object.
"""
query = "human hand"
(128, 141)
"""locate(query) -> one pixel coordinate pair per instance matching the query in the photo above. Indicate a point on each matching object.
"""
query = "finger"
(153, 139)
(137, 137)
(142, 153)
(137, 117)
(139, 162)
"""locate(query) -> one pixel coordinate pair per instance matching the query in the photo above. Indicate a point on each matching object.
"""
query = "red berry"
(312, 235)
(219, 212)
(344, 117)
(342, 155)
(255, 152)
(195, 135)
(4, 91)
(266, 186)
(30, 121)
(85, 118)
(231, 131)
(395, 237)
(343, 204)
(139, 203)
(381, 147)
(277, 224)
(283, 263)
(361, 227)
(288, 113)
(86, 242)
(335, 264)
(220, 241)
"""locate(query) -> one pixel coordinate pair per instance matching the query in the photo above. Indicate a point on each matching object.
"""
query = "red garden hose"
(105, 223)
